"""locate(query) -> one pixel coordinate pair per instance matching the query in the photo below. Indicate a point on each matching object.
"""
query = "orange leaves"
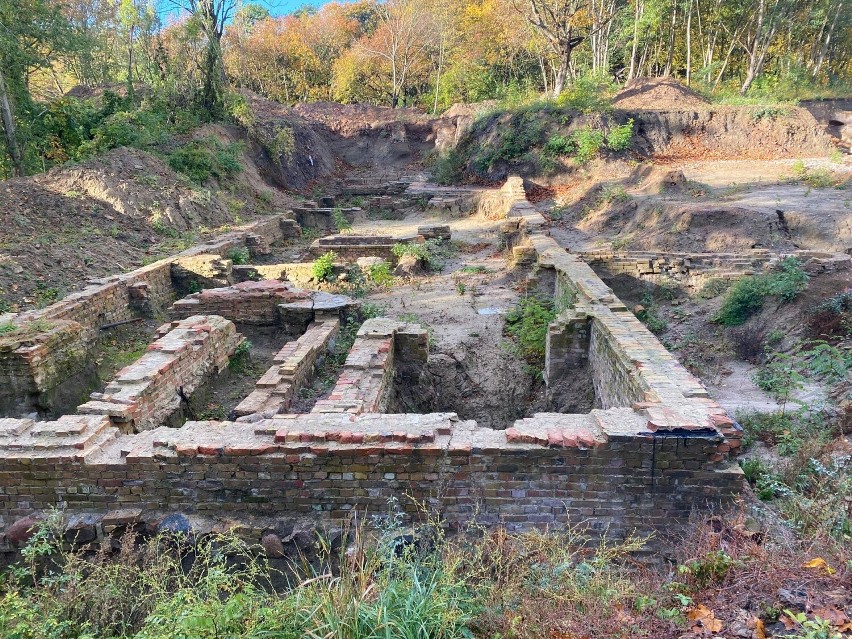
(705, 620)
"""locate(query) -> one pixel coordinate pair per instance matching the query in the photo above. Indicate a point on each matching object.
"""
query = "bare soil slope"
(108, 215)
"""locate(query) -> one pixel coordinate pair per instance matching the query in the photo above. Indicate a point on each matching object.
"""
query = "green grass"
(746, 296)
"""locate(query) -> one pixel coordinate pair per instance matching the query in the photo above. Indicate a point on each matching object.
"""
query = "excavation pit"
(617, 432)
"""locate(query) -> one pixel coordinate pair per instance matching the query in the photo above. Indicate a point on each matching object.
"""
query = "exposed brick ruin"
(695, 269)
(264, 303)
(654, 447)
(365, 384)
(146, 393)
(292, 367)
(43, 359)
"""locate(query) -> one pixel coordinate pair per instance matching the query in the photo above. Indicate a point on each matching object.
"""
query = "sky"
(275, 7)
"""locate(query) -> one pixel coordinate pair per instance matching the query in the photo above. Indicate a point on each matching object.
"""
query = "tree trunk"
(9, 129)
(689, 44)
(668, 70)
(827, 40)
(562, 74)
(636, 17)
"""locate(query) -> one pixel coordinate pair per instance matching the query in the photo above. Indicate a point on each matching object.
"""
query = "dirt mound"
(658, 94)
(107, 215)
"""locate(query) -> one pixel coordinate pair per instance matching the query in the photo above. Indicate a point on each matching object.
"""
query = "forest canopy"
(185, 60)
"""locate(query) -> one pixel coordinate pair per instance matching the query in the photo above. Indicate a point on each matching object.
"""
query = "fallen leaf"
(833, 615)
(789, 623)
(705, 617)
(817, 563)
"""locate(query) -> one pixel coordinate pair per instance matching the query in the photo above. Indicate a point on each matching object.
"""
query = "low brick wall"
(292, 367)
(365, 384)
(604, 468)
(695, 269)
(146, 393)
(349, 248)
(265, 303)
(35, 370)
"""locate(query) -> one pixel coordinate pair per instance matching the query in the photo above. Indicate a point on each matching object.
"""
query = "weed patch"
(746, 296)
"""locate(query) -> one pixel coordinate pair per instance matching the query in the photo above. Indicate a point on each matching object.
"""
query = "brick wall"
(149, 391)
(292, 367)
(43, 366)
(549, 471)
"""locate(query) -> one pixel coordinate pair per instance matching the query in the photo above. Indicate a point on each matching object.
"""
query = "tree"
(31, 33)
(211, 16)
(401, 39)
(565, 24)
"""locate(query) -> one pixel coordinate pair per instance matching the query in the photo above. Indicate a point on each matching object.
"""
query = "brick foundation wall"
(328, 466)
(146, 393)
(292, 367)
(696, 269)
(44, 372)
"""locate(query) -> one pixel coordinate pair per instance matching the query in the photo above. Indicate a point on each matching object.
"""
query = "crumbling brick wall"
(292, 367)
(552, 470)
(146, 393)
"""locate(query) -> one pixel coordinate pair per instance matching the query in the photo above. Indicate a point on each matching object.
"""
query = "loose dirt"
(657, 93)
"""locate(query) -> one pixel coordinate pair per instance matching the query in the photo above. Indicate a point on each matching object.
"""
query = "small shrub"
(833, 317)
(709, 569)
(431, 252)
(769, 113)
(339, 220)
(589, 142)
(747, 295)
(239, 361)
(238, 256)
(619, 136)
(323, 267)
(380, 274)
(527, 323)
(788, 430)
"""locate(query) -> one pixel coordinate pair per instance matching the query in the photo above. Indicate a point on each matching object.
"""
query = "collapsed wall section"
(148, 392)
(47, 354)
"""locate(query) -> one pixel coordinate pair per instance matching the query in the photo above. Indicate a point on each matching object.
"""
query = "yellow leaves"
(819, 564)
(705, 620)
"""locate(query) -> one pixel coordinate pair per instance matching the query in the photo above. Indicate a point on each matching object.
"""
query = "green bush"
(746, 296)
(619, 136)
(200, 160)
(589, 142)
(431, 252)
(339, 220)
(590, 93)
(380, 274)
(527, 323)
(323, 267)
(238, 256)
(788, 430)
